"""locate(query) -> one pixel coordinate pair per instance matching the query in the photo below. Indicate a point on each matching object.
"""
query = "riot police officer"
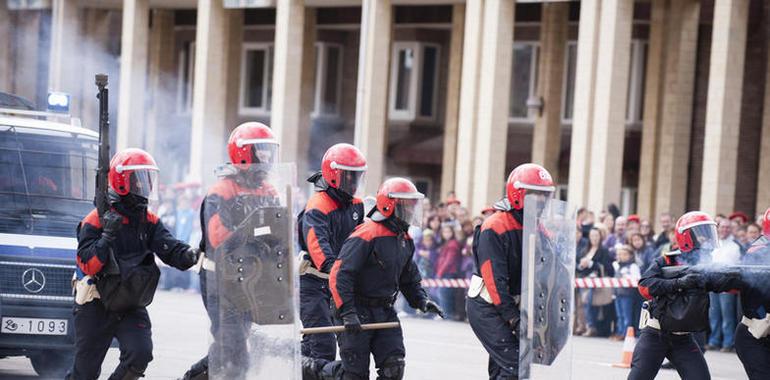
(117, 274)
(678, 304)
(331, 214)
(752, 343)
(243, 186)
(374, 264)
(493, 297)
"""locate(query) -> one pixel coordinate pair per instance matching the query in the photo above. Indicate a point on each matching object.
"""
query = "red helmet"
(766, 223)
(696, 229)
(343, 167)
(133, 171)
(527, 177)
(398, 196)
(252, 143)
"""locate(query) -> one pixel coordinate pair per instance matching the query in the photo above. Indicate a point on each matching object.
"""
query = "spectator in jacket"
(625, 298)
(448, 266)
(594, 261)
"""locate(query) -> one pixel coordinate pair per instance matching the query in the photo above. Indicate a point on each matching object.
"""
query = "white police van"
(47, 170)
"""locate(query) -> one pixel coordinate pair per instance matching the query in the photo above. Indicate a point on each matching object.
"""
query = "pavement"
(435, 349)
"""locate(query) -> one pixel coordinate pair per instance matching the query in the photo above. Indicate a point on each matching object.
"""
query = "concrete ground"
(435, 349)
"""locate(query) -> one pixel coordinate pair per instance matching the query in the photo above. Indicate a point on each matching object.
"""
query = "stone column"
(64, 70)
(493, 96)
(546, 139)
(582, 118)
(161, 74)
(27, 49)
(673, 152)
(372, 92)
(469, 87)
(97, 33)
(294, 62)
(449, 159)
(723, 108)
(763, 179)
(209, 111)
(5, 48)
(133, 73)
(609, 119)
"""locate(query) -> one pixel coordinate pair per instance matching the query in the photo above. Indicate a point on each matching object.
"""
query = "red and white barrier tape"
(588, 282)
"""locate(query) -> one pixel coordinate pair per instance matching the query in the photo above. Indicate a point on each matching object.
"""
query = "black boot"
(198, 371)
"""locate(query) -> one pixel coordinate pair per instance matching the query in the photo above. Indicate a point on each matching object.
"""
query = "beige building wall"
(133, 73)
(451, 118)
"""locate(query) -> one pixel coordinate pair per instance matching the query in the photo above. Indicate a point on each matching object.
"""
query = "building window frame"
(264, 109)
(185, 78)
(533, 78)
(572, 44)
(412, 112)
(321, 80)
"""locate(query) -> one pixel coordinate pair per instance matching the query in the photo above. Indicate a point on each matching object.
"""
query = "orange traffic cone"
(628, 349)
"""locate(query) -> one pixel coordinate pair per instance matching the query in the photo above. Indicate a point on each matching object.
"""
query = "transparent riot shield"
(547, 289)
(252, 290)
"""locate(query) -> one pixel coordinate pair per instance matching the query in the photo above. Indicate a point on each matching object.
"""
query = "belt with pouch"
(646, 320)
(758, 328)
(306, 267)
(477, 288)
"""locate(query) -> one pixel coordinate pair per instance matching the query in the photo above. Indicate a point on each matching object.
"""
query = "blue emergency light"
(58, 102)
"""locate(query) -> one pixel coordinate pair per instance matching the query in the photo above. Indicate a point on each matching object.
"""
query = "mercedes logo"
(33, 280)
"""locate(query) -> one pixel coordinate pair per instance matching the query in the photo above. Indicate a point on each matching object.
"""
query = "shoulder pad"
(369, 230)
(322, 202)
(500, 223)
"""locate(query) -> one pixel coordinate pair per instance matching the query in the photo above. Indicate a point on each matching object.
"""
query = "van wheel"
(52, 363)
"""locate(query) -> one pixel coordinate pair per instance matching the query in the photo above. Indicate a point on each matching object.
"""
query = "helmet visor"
(409, 210)
(704, 237)
(264, 153)
(143, 183)
(350, 181)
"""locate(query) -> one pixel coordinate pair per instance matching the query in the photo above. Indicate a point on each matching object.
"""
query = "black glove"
(513, 323)
(194, 254)
(691, 281)
(352, 323)
(111, 224)
(429, 306)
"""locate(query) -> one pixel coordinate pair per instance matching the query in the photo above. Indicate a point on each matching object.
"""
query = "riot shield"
(547, 289)
(251, 283)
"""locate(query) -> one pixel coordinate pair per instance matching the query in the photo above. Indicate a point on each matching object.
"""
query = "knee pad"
(392, 368)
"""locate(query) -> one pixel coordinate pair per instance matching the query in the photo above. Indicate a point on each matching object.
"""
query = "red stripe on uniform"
(645, 292)
(217, 232)
(92, 266)
(314, 249)
(489, 281)
(333, 284)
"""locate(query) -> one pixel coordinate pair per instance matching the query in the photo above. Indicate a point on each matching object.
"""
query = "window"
(414, 81)
(635, 100)
(185, 77)
(328, 80)
(523, 81)
(256, 79)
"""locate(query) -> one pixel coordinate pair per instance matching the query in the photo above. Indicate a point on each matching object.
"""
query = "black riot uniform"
(375, 263)
(754, 352)
(494, 313)
(328, 219)
(656, 341)
(225, 206)
(141, 235)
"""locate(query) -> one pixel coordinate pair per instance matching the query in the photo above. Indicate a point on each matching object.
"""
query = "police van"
(47, 167)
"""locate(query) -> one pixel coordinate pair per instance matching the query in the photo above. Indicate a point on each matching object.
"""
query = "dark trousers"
(387, 346)
(497, 338)
(228, 353)
(314, 311)
(754, 353)
(94, 329)
(682, 350)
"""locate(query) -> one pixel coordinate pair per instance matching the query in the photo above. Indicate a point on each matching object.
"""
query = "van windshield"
(46, 180)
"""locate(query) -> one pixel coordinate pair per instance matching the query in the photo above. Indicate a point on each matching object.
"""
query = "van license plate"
(33, 326)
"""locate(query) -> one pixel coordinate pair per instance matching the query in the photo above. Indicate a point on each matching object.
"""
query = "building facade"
(655, 106)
